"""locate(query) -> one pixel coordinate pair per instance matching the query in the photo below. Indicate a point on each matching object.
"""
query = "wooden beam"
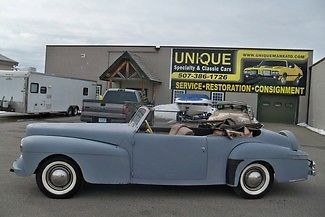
(120, 74)
(142, 85)
(127, 69)
(117, 70)
(153, 92)
(136, 72)
(110, 83)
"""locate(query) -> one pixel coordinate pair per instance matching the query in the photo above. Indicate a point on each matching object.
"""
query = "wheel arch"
(58, 156)
(235, 168)
(244, 154)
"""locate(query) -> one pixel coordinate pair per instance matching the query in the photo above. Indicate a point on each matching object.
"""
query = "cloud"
(26, 27)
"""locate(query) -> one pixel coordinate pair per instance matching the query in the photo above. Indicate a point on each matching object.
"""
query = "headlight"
(250, 72)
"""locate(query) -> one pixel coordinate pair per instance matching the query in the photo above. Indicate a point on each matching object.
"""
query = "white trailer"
(34, 93)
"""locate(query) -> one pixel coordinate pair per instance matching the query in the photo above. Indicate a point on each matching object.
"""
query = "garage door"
(278, 109)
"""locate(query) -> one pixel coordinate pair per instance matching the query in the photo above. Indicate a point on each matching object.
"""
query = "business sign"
(239, 70)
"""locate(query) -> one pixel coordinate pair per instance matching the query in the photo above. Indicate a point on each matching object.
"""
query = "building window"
(98, 90)
(85, 91)
(34, 87)
(216, 97)
(43, 90)
(176, 93)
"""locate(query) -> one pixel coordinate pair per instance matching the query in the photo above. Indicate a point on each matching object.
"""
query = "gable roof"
(136, 61)
(6, 59)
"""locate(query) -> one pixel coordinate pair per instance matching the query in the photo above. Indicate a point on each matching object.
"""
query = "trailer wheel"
(75, 110)
(70, 111)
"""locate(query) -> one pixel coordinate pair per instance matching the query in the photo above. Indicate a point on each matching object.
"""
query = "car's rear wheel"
(255, 181)
(59, 178)
(297, 80)
(283, 79)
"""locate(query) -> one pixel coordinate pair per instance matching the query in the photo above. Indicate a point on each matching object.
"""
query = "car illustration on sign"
(64, 155)
(281, 70)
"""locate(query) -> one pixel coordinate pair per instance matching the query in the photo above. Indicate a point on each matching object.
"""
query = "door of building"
(277, 108)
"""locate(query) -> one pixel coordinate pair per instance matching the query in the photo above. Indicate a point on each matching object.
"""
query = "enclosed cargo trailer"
(33, 93)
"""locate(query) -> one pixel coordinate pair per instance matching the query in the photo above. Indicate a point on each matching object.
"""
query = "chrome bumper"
(312, 168)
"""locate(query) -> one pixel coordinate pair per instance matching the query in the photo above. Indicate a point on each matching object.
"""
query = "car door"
(169, 157)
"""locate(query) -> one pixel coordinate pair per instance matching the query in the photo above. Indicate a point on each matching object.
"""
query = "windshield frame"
(139, 117)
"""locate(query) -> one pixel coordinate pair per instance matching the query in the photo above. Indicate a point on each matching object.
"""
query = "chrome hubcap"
(59, 177)
(254, 179)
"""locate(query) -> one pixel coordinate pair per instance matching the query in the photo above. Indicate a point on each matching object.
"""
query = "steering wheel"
(149, 129)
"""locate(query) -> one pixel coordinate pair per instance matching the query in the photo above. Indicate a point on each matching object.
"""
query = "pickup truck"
(117, 105)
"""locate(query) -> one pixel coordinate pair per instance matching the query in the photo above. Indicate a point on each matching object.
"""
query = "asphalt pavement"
(21, 197)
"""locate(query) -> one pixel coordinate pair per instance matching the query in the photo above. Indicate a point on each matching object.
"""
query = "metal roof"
(137, 62)
(6, 59)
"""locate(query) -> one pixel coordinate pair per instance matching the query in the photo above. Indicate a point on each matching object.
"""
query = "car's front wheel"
(59, 178)
(255, 181)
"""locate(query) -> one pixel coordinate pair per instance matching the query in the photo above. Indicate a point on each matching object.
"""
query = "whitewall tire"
(59, 177)
(255, 181)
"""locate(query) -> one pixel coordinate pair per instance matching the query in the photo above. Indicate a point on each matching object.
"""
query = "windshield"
(120, 97)
(272, 63)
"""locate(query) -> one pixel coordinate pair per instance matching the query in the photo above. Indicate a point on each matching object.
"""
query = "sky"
(27, 26)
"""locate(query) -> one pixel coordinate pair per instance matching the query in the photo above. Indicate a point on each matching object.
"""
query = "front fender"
(287, 165)
(99, 162)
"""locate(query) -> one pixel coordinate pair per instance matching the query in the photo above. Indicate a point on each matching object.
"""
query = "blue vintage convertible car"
(63, 156)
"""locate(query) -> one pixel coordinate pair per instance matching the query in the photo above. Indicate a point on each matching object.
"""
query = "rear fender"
(287, 165)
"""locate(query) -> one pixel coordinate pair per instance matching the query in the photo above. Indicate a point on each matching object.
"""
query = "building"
(316, 115)
(7, 63)
(275, 82)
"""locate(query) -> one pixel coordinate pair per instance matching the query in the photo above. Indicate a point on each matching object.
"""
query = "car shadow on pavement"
(136, 190)
(285, 191)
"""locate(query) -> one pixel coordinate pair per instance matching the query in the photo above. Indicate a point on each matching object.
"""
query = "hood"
(113, 133)
(251, 68)
(271, 67)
